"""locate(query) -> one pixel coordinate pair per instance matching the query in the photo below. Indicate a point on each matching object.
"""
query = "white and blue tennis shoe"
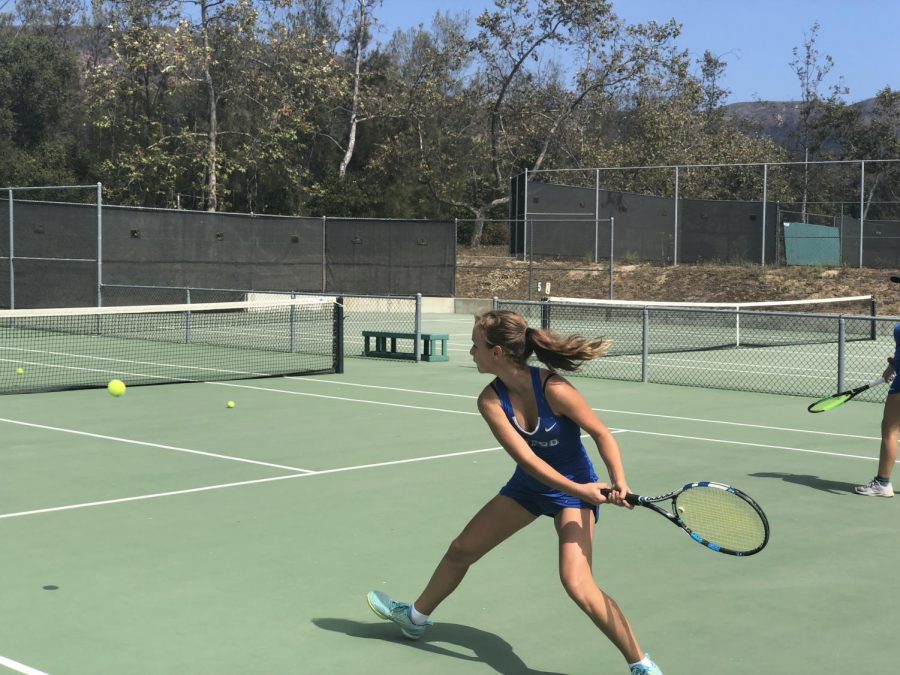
(398, 612)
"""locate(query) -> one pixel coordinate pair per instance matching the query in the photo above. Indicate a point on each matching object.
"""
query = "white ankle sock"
(417, 617)
(643, 662)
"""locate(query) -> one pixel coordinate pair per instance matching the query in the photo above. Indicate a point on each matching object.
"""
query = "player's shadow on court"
(833, 487)
(487, 648)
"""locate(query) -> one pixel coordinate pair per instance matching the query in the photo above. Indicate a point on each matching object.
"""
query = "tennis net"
(693, 326)
(76, 348)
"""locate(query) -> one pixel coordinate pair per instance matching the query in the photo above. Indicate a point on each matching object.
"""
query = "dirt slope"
(479, 276)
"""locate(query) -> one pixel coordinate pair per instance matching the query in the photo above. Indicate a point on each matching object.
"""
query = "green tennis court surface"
(164, 533)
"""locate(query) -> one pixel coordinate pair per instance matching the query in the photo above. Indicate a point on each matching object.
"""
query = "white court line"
(256, 481)
(360, 467)
(341, 398)
(153, 445)
(310, 473)
(739, 424)
(20, 667)
(605, 410)
(374, 386)
(754, 445)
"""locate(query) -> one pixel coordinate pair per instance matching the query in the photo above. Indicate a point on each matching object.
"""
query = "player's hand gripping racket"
(720, 517)
(833, 401)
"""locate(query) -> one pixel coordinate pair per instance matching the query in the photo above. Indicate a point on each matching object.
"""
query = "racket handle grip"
(633, 499)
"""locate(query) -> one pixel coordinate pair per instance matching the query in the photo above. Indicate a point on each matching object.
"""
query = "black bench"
(386, 345)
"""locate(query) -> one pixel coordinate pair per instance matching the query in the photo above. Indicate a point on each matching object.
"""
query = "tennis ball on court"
(20, 371)
(116, 388)
(230, 404)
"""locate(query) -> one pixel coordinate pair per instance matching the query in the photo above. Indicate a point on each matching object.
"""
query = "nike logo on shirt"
(550, 427)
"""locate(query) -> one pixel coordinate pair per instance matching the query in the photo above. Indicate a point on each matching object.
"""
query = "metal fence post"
(417, 349)
(525, 221)
(99, 244)
(764, 203)
(645, 344)
(597, 216)
(455, 254)
(841, 354)
(323, 254)
(612, 248)
(862, 198)
(531, 264)
(12, 243)
(675, 247)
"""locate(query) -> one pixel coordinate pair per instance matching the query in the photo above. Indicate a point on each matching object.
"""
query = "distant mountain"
(778, 119)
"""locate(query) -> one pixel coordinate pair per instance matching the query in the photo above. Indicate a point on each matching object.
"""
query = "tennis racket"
(833, 401)
(718, 516)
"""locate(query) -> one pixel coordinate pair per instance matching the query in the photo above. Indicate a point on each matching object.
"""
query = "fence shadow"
(833, 487)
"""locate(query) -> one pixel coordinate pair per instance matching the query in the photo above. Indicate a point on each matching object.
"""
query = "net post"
(292, 326)
(545, 313)
(293, 323)
(338, 350)
(841, 353)
(417, 348)
(495, 303)
(737, 326)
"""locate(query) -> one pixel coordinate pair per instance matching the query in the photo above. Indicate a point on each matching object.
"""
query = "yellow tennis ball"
(116, 388)
(230, 404)
(20, 371)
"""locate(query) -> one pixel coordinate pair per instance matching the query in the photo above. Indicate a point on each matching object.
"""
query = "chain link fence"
(708, 212)
(399, 314)
(803, 354)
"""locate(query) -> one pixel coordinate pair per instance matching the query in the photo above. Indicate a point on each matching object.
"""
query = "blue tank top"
(895, 383)
(556, 439)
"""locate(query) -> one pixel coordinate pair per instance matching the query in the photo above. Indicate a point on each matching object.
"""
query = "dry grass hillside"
(480, 275)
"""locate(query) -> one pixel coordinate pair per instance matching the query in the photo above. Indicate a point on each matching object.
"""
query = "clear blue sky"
(754, 37)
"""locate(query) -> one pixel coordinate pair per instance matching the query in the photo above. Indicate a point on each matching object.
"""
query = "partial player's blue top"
(555, 439)
(895, 384)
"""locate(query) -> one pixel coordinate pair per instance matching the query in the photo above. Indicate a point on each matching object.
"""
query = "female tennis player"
(537, 416)
(880, 485)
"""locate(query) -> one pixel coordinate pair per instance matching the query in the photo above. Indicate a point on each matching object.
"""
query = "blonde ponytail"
(510, 331)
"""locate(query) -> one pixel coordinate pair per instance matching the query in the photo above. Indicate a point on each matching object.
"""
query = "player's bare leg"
(575, 528)
(497, 520)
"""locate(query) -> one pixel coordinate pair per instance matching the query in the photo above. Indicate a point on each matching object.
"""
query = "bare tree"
(811, 69)
(359, 38)
(522, 112)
